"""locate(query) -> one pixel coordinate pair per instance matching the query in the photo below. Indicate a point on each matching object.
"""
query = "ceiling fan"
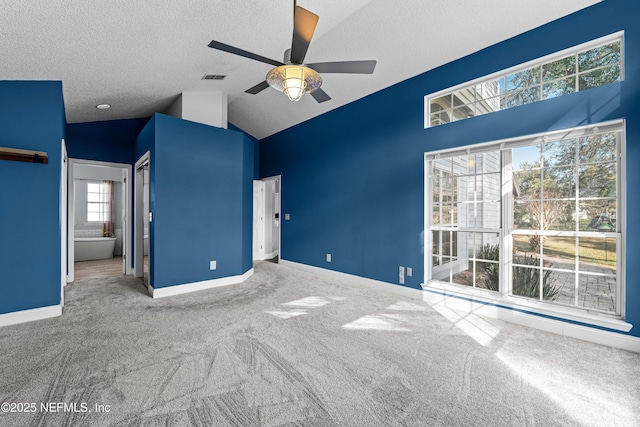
(293, 76)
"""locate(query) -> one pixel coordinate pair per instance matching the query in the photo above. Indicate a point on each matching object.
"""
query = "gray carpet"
(288, 348)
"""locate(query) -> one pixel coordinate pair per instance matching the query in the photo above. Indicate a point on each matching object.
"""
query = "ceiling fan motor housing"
(278, 75)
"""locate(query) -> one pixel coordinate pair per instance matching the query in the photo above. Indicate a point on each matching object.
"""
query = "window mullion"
(506, 239)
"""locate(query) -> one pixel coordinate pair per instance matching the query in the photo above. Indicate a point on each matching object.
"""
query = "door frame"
(126, 238)
(278, 179)
(258, 255)
(64, 221)
(138, 243)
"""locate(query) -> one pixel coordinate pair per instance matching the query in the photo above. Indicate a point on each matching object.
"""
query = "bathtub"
(88, 248)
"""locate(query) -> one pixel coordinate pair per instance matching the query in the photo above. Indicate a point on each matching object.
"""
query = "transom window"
(98, 202)
(593, 64)
(537, 217)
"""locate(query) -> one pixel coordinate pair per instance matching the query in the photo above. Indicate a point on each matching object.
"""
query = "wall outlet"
(328, 257)
(401, 275)
(213, 265)
(409, 271)
(286, 217)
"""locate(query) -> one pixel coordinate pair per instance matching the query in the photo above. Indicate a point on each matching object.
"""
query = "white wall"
(206, 107)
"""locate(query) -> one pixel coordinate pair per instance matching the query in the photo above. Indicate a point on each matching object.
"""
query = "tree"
(541, 203)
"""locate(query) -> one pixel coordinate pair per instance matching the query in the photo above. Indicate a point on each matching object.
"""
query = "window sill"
(562, 313)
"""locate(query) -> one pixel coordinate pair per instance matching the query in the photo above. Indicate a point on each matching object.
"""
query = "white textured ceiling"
(138, 55)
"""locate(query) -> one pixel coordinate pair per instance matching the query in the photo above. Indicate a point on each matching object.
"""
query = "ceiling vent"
(213, 77)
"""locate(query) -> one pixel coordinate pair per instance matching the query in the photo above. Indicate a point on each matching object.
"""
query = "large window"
(537, 218)
(594, 64)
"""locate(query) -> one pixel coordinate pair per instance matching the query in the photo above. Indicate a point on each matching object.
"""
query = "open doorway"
(143, 218)
(266, 218)
(98, 219)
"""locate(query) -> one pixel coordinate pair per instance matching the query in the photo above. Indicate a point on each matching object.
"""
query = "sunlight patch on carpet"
(287, 314)
(478, 328)
(310, 302)
(581, 396)
(379, 322)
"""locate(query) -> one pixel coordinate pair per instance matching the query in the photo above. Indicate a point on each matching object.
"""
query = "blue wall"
(201, 189)
(107, 141)
(256, 146)
(31, 118)
(352, 179)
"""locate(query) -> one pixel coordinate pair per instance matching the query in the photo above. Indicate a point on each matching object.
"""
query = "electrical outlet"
(213, 265)
(401, 275)
(409, 271)
(328, 257)
(286, 217)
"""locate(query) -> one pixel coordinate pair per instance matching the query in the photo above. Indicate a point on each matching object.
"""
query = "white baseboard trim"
(350, 279)
(198, 286)
(569, 329)
(24, 316)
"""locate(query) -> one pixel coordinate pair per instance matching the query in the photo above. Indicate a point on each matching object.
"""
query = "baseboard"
(356, 280)
(582, 332)
(24, 316)
(198, 286)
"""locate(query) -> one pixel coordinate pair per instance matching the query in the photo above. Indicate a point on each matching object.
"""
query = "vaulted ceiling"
(138, 56)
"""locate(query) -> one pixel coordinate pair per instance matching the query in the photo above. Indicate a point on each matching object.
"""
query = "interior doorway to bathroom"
(266, 218)
(98, 212)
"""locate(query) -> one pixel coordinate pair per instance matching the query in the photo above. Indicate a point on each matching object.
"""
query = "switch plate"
(328, 257)
(286, 217)
(213, 265)
(409, 271)
(401, 275)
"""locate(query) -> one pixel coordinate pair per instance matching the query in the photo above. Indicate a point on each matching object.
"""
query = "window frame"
(539, 62)
(104, 211)
(506, 248)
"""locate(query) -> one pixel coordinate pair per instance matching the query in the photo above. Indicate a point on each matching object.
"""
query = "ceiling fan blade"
(355, 67)
(320, 96)
(227, 48)
(258, 88)
(304, 24)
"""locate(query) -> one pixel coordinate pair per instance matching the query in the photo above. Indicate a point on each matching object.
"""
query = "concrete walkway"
(597, 292)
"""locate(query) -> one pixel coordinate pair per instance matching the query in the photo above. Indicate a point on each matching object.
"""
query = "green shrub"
(526, 280)
(492, 271)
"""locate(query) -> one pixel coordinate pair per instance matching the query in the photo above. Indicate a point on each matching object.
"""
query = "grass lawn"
(592, 250)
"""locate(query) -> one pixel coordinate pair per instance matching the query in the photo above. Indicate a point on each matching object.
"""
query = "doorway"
(98, 212)
(143, 218)
(266, 218)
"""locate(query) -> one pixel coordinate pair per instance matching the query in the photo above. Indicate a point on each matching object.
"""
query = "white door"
(258, 220)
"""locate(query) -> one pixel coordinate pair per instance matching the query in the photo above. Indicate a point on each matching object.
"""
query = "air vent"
(213, 77)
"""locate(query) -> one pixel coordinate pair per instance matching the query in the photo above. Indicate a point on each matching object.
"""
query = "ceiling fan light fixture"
(294, 84)
(294, 80)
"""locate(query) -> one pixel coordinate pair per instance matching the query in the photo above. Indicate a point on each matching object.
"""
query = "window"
(594, 64)
(536, 218)
(98, 202)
